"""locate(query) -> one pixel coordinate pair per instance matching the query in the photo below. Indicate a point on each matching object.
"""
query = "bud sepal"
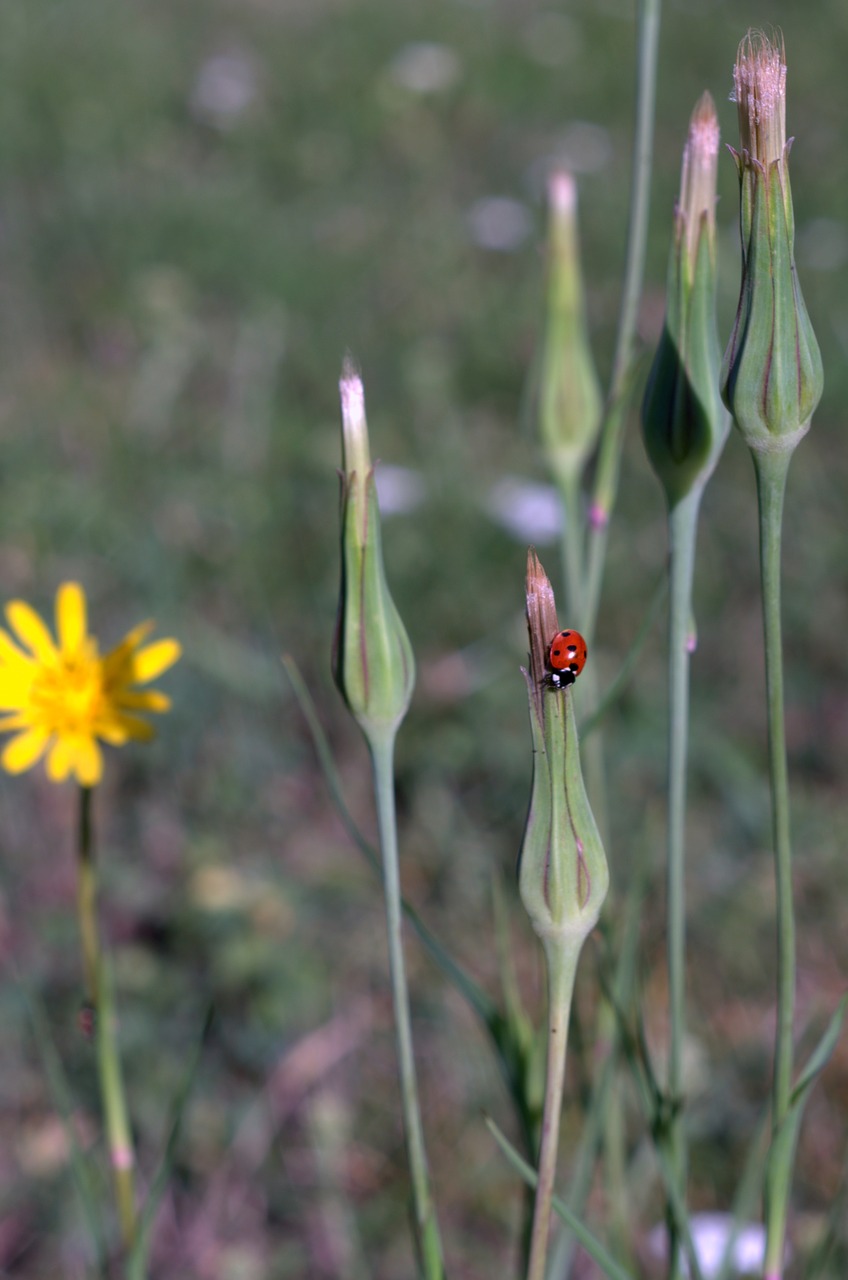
(373, 663)
(563, 873)
(570, 402)
(684, 422)
(772, 376)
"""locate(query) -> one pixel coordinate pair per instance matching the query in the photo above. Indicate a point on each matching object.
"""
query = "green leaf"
(137, 1260)
(820, 1056)
(480, 1002)
(782, 1154)
(590, 1242)
(63, 1101)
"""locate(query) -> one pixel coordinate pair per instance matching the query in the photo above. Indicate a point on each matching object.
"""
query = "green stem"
(428, 1239)
(562, 956)
(608, 1048)
(606, 480)
(572, 546)
(771, 470)
(683, 526)
(99, 992)
(637, 229)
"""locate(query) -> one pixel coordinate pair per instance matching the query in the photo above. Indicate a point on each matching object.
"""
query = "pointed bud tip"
(562, 192)
(352, 392)
(354, 427)
(759, 91)
(703, 127)
(541, 619)
(698, 175)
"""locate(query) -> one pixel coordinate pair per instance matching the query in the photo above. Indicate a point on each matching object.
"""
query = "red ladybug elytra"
(566, 659)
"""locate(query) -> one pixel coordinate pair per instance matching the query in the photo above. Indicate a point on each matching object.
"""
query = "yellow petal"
(134, 727)
(121, 658)
(32, 631)
(71, 616)
(86, 760)
(113, 732)
(59, 760)
(23, 751)
(10, 654)
(16, 720)
(14, 690)
(156, 658)
(89, 764)
(141, 700)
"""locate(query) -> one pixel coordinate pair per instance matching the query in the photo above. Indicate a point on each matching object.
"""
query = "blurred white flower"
(226, 86)
(499, 223)
(399, 489)
(531, 512)
(584, 147)
(425, 67)
(710, 1233)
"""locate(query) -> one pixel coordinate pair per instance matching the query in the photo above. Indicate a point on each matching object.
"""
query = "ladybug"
(566, 659)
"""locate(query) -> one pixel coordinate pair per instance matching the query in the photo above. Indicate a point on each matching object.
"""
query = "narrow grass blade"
(820, 1056)
(782, 1154)
(834, 1231)
(612, 1269)
(622, 678)
(747, 1196)
(477, 998)
(137, 1261)
(63, 1101)
(656, 1108)
(627, 931)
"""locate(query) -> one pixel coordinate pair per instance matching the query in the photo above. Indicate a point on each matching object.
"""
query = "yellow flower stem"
(87, 901)
(99, 992)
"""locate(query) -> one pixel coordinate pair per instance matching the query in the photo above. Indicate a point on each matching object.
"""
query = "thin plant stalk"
(637, 230)
(427, 1228)
(771, 470)
(606, 1091)
(99, 993)
(637, 234)
(562, 968)
(683, 525)
(87, 901)
(613, 429)
(572, 544)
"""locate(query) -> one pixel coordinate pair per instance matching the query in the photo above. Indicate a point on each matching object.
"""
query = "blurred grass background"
(202, 207)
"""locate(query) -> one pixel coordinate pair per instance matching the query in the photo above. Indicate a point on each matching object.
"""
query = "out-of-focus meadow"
(203, 206)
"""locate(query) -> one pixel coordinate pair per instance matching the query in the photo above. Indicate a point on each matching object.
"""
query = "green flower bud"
(683, 420)
(373, 663)
(569, 394)
(772, 374)
(563, 874)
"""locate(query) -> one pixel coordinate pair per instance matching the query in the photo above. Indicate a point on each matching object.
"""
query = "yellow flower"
(62, 698)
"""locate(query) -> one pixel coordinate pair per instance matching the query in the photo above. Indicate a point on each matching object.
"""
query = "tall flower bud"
(563, 875)
(772, 375)
(569, 394)
(684, 423)
(372, 658)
